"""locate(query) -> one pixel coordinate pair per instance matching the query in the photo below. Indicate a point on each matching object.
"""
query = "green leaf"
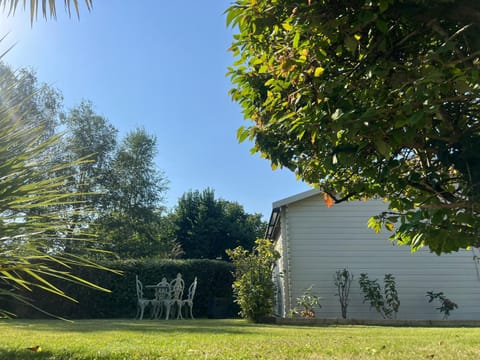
(382, 147)
(242, 134)
(296, 40)
(337, 115)
(287, 26)
(318, 71)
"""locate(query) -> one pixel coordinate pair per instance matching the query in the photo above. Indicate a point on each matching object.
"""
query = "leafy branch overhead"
(369, 99)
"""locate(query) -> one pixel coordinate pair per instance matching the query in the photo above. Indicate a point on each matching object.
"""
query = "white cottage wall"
(318, 240)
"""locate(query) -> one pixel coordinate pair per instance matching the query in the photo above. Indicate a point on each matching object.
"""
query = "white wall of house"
(315, 241)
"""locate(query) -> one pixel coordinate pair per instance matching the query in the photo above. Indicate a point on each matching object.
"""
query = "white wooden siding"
(321, 240)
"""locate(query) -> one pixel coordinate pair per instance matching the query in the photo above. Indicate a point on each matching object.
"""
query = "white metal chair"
(177, 285)
(162, 298)
(189, 300)
(142, 302)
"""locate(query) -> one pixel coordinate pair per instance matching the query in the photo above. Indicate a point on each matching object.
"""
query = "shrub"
(307, 302)
(214, 281)
(388, 305)
(446, 305)
(253, 286)
(343, 280)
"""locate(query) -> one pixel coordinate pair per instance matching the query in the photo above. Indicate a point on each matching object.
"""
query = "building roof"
(277, 205)
(295, 198)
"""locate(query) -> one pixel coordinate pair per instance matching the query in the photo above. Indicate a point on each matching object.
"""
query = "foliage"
(129, 215)
(206, 226)
(214, 281)
(48, 7)
(35, 210)
(128, 188)
(40, 105)
(307, 303)
(369, 99)
(392, 302)
(386, 304)
(253, 286)
(343, 280)
(89, 135)
(135, 184)
(446, 305)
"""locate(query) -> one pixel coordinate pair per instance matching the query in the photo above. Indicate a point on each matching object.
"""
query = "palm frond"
(48, 8)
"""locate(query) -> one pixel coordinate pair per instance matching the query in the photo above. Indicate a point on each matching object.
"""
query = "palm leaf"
(48, 8)
(38, 212)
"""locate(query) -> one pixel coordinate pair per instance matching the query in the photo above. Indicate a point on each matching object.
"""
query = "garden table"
(163, 294)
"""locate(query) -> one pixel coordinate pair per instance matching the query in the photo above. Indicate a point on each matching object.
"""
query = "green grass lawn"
(229, 339)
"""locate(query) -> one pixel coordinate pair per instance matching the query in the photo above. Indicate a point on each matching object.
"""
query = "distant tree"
(205, 226)
(33, 202)
(370, 99)
(134, 190)
(135, 182)
(89, 135)
(41, 104)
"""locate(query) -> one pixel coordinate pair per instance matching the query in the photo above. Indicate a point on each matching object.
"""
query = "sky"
(158, 65)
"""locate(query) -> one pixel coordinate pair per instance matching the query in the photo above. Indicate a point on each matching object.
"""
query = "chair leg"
(179, 314)
(142, 309)
(190, 305)
(167, 310)
(160, 311)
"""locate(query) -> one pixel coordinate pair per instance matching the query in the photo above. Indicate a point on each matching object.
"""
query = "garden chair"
(189, 300)
(177, 285)
(162, 299)
(142, 302)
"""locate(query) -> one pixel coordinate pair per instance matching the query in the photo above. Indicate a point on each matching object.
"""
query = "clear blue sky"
(160, 65)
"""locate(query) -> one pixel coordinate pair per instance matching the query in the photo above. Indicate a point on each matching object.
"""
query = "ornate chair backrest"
(177, 286)
(191, 289)
(139, 286)
(163, 290)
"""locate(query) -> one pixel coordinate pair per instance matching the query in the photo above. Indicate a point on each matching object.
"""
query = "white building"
(315, 241)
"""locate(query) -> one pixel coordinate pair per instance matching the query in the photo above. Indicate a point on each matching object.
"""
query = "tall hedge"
(213, 297)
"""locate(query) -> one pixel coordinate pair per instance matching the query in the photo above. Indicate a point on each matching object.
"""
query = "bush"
(253, 286)
(387, 305)
(343, 280)
(214, 281)
(446, 305)
(307, 303)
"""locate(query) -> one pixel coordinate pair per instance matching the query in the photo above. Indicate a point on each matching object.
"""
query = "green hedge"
(212, 299)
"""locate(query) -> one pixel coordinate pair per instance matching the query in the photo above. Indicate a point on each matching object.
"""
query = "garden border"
(379, 322)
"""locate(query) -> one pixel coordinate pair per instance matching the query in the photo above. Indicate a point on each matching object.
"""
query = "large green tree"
(35, 210)
(41, 103)
(369, 99)
(134, 190)
(206, 226)
(90, 136)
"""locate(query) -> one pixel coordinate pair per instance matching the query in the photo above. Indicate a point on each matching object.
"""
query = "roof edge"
(295, 198)
(277, 205)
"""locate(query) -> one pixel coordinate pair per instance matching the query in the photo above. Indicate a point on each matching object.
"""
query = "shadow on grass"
(201, 326)
(42, 355)
(26, 354)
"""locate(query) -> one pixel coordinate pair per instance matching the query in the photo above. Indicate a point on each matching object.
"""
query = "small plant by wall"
(446, 305)
(343, 280)
(306, 304)
(386, 303)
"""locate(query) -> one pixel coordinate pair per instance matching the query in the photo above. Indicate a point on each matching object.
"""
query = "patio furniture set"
(168, 298)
